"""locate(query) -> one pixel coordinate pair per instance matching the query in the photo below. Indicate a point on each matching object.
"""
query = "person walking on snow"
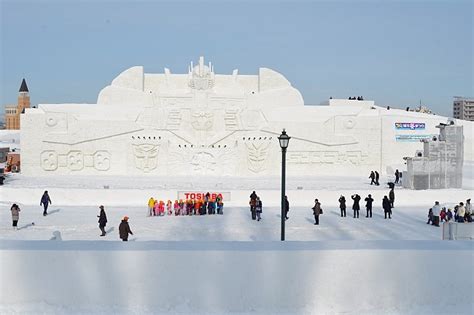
(342, 205)
(386, 207)
(287, 207)
(15, 215)
(377, 176)
(253, 204)
(391, 196)
(45, 202)
(102, 220)
(372, 178)
(355, 205)
(317, 211)
(397, 176)
(259, 209)
(124, 229)
(368, 205)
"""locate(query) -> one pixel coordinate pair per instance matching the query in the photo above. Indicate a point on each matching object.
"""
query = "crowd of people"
(462, 213)
(204, 206)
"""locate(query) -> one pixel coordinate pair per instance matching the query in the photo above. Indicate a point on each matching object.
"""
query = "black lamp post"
(284, 140)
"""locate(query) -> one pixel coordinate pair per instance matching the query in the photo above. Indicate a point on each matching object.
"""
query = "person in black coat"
(372, 177)
(102, 220)
(342, 205)
(397, 176)
(386, 207)
(317, 210)
(124, 229)
(377, 177)
(45, 202)
(253, 205)
(368, 205)
(287, 207)
(391, 197)
(356, 206)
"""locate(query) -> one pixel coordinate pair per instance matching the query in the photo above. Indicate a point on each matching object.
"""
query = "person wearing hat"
(124, 229)
(102, 220)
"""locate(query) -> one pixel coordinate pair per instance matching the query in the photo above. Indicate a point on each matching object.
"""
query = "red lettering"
(186, 195)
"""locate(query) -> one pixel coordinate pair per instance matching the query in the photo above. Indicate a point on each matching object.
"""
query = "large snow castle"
(201, 122)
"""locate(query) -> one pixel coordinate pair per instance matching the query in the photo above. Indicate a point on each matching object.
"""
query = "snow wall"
(235, 277)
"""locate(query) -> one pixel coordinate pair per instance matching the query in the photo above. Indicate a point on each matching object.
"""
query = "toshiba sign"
(200, 195)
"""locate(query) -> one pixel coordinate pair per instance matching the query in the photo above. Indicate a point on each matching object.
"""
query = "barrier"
(458, 231)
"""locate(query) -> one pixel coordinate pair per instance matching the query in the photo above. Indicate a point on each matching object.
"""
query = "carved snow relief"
(257, 153)
(146, 156)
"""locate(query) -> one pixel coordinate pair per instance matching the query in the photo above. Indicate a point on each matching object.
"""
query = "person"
(15, 215)
(430, 216)
(468, 214)
(169, 208)
(368, 205)
(176, 207)
(461, 212)
(449, 215)
(253, 203)
(287, 207)
(372, 178)
(220, 206)
(386, 207)
(397, 176)
(156, 208)
(342, 205)
(442, 215)
(436, 209)
(391, 197)
(355, 205)
(258, 209)
(45, 202)
(316, 211)
(151, 207)
(124, 229)
(377, 176)
(102, 220)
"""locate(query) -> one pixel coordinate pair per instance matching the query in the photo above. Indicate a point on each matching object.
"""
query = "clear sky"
(394, 52)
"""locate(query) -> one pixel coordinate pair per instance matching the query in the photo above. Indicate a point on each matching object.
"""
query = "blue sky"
(394, 52)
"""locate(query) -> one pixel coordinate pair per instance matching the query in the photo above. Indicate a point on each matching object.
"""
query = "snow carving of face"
(146, 156)
(257, 155)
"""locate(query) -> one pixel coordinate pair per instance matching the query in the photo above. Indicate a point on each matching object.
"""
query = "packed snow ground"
(228, 263)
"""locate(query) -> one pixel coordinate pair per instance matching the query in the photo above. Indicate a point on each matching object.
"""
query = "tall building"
(12, 112)
(463, 108)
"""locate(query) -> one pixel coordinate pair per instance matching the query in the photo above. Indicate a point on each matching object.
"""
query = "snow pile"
(233, 277)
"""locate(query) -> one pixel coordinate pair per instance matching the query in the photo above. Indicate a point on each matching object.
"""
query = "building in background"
(13, 112)
(463, 108)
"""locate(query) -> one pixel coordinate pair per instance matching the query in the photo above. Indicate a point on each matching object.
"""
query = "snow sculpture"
(440, 163)
(201, 122)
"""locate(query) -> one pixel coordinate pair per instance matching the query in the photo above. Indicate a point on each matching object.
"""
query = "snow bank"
(234, 277)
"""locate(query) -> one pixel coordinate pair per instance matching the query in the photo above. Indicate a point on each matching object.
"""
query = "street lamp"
(284, 140)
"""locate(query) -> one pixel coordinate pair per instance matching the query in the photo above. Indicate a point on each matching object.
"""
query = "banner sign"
(412, 138)
(200, 195)
(409, 126)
